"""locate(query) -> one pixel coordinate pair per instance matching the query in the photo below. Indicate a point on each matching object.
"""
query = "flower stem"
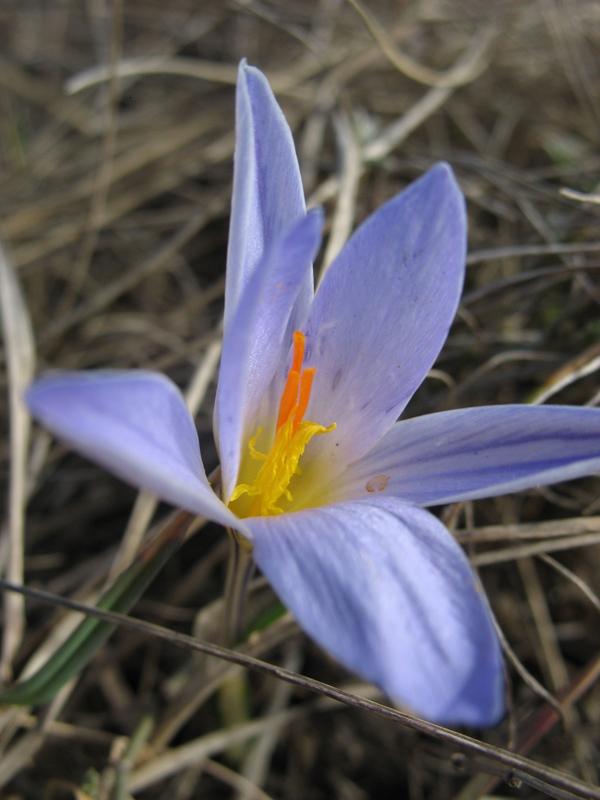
(239, 569)
(233, 693)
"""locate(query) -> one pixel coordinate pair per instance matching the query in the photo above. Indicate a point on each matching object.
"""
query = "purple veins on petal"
(479, 452)
(385, 589)
(383, 311)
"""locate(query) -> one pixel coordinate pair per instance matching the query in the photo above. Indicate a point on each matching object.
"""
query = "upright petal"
(258, 337)
(267, 188)
(134, 424)
(383, 312)
(477, 452)
(385, 588)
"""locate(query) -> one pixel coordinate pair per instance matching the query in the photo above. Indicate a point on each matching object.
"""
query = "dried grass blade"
(20, 357)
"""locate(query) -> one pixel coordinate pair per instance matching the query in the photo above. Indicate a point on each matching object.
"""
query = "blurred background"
(116, 145)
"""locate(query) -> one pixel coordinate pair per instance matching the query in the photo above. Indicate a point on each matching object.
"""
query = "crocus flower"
(316, 471)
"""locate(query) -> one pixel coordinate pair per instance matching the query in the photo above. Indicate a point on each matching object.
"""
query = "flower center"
(292, 434)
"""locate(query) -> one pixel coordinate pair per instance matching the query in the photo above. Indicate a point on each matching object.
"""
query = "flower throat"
(292, 435)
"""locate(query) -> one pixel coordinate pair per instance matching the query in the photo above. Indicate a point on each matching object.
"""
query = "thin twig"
(548, 529)
(526, 550)
(583, 587)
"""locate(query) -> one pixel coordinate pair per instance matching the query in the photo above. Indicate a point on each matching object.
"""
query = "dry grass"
(115, 159)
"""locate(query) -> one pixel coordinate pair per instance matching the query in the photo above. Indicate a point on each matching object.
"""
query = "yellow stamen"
(292, 435)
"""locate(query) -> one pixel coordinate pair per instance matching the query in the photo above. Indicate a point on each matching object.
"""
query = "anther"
(306, 382)
(289, 396)
(299, 346)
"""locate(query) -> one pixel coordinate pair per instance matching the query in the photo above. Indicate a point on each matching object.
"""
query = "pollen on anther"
(299, 346)
(289, 397)
(306, 382)
(293, 390)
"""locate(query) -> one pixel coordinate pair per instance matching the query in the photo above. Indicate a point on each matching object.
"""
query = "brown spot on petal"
(377, 483)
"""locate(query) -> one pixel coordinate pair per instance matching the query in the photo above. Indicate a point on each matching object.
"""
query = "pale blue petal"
(383, 312)
(386, 590)
(136, 425)
(478, 452)
(267, 189)
(258, 338)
